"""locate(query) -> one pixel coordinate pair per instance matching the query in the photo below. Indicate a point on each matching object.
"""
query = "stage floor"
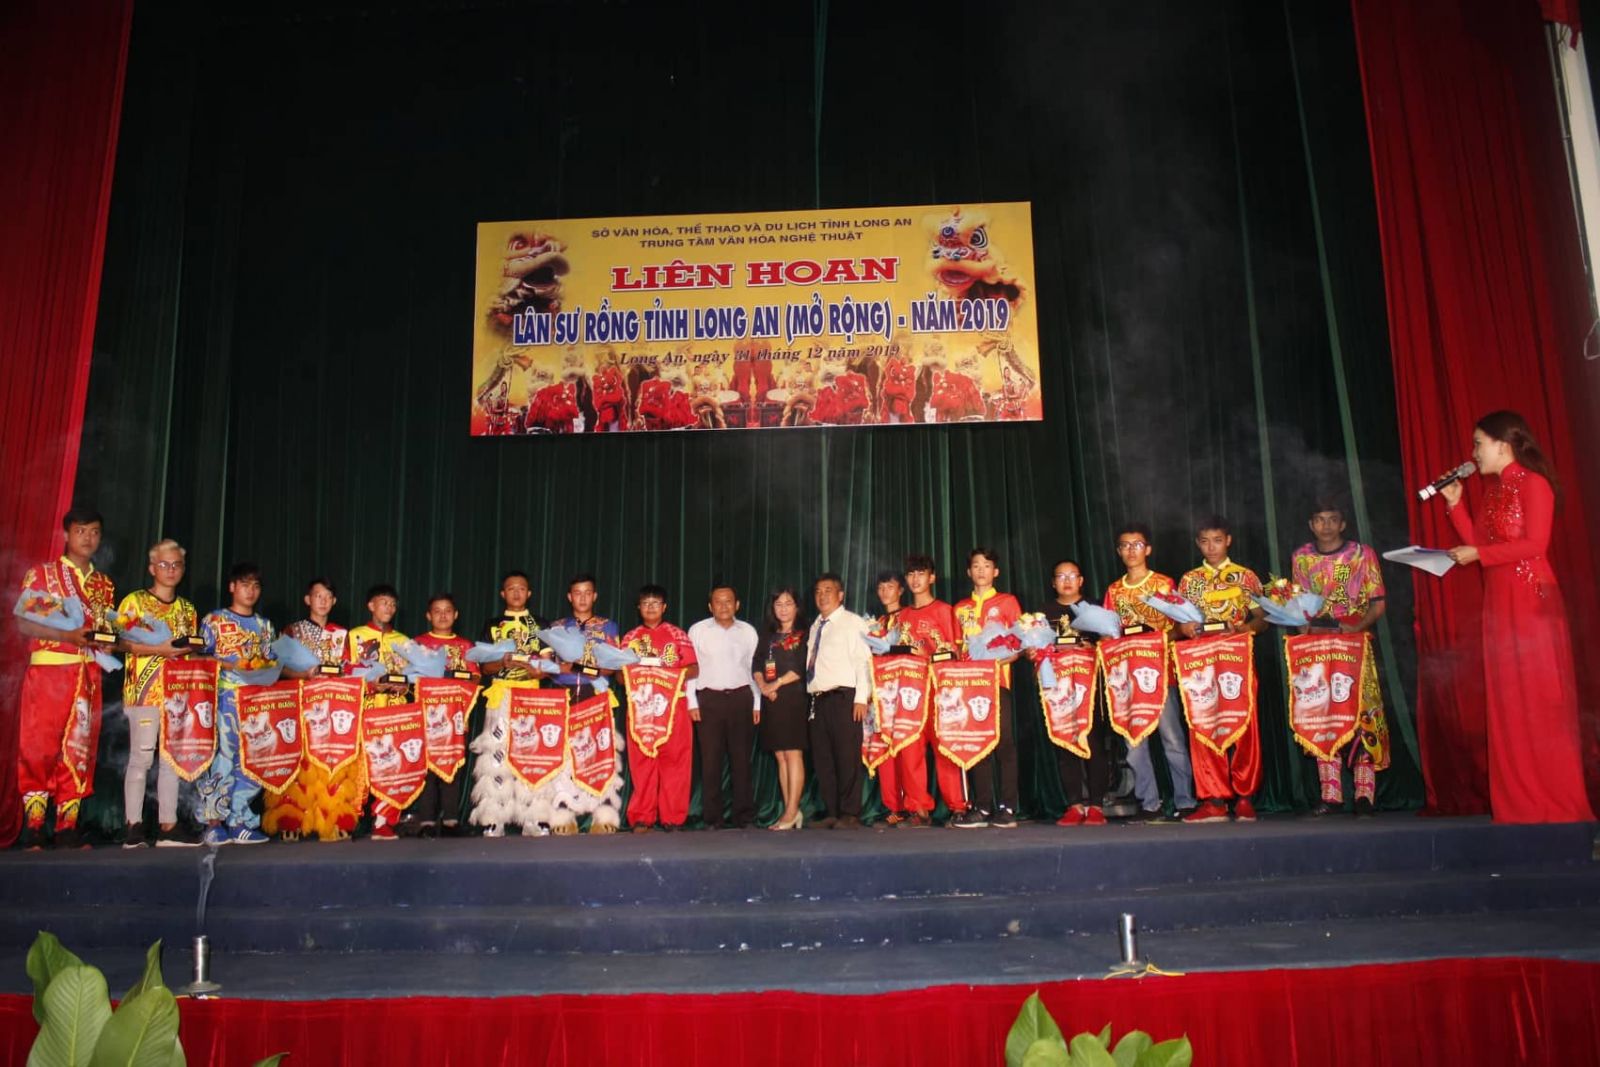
(820, 911)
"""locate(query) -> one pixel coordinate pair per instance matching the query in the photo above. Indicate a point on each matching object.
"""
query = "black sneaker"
(1364, 809)
(1158, 815)
(1003, 819)
(971, 819)
(1327, 808)
(133, 836)
(71, 838)
(177, 837)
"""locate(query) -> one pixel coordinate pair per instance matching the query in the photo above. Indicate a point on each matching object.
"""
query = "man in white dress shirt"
(839, 679)
(725, 706)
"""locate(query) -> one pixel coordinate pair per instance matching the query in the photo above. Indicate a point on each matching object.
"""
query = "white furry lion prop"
(501, 800)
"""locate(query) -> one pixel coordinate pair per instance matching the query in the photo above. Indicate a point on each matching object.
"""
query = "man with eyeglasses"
(1125, 596)
(143, 695)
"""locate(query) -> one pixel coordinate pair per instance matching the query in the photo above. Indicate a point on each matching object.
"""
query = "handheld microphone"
(1443, 480)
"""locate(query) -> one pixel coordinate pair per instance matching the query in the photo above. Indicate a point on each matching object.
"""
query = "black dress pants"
(726, 731)
(836, 751)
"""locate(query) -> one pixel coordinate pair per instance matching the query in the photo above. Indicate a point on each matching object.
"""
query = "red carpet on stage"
(1460, 1012)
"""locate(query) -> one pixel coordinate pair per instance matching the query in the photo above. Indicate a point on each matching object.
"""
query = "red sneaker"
(1094, 817)
(1210, 811)
(1074, 816)
(1243, 810)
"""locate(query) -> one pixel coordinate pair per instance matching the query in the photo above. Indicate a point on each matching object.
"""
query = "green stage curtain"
(282, 362)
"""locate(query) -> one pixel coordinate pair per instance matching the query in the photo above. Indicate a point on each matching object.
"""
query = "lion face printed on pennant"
(177, 708)
(1201, 686)
(889, 693)
(260, 740)
(1311, 691)
(524, 733)
(583, 745)
(318, 723)
(411, 749)
(80, 711)
(1067, 693)
(382, 755)
(342, 721)
(1342, 684)
(289, 730)
(951, 711)
(1231, 683)
(202, 711)
(1119, 685)
(438, 723)
(1147, 678)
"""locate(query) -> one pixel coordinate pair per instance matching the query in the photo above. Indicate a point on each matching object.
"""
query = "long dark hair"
(1513, 429)
(771, 616)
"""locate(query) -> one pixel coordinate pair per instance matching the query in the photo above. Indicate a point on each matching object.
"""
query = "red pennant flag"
(593, 746)
(446, 707)
(189, 715)
(1217, 678)
(966, 700)
(1069, 705)
(332, 714)
(270, 745)
(653, 694)
(1325, 673)
(395, 745)
(1134, 671)
(537, 719)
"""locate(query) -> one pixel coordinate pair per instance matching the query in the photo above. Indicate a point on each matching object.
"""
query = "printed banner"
(270, 745)
(1134, 670)
(446, 705)
(594, 755)
(81, 739)
(1325, 689)
(1217, 679)
(396, 748)
(652, 700)
(900, 694)
(966, 697)
(840, 317)
(189, 715)
(538, 722)
(332, 713)
(1069, 704)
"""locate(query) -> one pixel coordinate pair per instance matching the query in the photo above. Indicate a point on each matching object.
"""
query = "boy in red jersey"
(987, 604)
(440, 802)
(661, 781)
(60, 701)
(1125, 596)
(928, 625)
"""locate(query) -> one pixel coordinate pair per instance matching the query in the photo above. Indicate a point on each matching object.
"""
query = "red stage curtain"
(60, 95)
(1487, 310)
(1460, 1012)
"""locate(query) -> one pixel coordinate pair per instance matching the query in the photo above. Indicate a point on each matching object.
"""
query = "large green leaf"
(1033, 1024)
(270, 1061)
(141, 1032)
(1174, 1053)
(1087, 1051)
(47, 957)
(1047, 1052)
(151, 978)
(1131, 1047)
(1105, 1035)
(75, 1011)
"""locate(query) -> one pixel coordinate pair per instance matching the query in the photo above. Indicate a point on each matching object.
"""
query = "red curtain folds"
(60, 97)
(1462, 1012)
(1487, 310)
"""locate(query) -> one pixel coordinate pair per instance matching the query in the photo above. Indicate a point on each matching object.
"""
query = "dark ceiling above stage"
(281, 367)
